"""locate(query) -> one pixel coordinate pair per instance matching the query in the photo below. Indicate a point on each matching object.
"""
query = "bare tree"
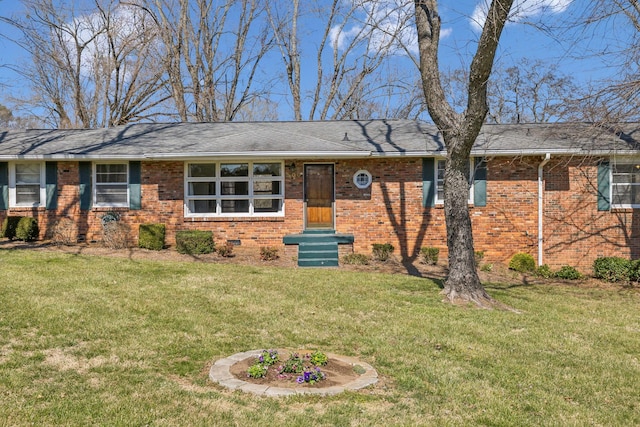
(459, 131)
(354, 39)
(12, 121)
(57, 44)
(531, 92)
(627, 90)
(91, 68)
(213, 51)
(612, 99)
(258, 110)
(6, 116)
(130, 61)
(406, 101)
(283, 17)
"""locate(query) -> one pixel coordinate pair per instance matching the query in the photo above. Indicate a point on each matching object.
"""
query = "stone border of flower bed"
(221, 374)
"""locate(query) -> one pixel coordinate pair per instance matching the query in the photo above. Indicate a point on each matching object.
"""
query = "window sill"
(624, 208)
(234, 218)
(441, 205)
(109, 208)
(26, 208)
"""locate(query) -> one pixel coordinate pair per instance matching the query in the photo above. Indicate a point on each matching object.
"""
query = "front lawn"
(89, 340)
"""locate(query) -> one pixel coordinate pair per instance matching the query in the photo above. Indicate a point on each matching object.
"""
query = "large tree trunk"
(459, 131)
(462, 284)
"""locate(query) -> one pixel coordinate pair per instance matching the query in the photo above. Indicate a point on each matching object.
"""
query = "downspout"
(547, 157)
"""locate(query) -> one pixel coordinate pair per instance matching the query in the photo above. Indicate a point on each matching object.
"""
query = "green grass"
(110, 341)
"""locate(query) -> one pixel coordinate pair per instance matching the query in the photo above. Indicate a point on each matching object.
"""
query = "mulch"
(251, 256)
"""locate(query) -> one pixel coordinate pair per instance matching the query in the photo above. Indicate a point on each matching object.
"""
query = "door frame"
(333, 195)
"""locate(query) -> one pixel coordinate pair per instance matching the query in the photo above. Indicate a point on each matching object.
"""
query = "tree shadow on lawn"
(510, 283)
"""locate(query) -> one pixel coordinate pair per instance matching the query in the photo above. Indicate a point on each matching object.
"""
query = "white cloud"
(90, 30)
(388, 26)
(445, 32)
(339, 37)
(521, 10)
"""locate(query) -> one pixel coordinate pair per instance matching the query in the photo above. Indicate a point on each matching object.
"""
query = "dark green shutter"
(604, 186)
(428, 183)
(4, 185)
(135, 193)
(51, 182)
(85, 185)
(480, 182)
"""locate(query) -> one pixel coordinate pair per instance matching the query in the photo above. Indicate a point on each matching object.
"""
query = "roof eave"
(556, 152)
(310, 155)
(72, 157)
(261, 154)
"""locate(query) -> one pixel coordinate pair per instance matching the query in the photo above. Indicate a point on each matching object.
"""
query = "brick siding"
(391, 210)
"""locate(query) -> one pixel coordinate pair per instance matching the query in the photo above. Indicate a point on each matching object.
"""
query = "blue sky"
(573, 51)
(9, 52)
(523, 38)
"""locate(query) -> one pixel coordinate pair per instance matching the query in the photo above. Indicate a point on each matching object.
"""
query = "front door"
(318, 196)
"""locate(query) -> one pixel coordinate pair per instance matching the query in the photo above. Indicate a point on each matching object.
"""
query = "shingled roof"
(315, 139)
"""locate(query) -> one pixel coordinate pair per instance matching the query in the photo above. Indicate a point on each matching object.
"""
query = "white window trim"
(439, 201)
(12, 186)
(613, 163)
(95, 186)
(218, 197)
(362, 172)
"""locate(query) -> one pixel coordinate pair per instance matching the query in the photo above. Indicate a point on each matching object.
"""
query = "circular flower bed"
(305, 367)
(283, 372)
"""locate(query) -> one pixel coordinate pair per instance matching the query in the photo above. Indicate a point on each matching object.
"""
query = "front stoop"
(318, 248)
(317, 254)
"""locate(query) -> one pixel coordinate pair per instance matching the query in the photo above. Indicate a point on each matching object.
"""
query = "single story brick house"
(565, 193)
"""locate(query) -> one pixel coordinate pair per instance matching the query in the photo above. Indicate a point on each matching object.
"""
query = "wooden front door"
(318, 196)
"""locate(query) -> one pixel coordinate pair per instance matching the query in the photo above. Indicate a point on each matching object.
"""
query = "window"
(234, 189)
(362, 179)
(26, 185)
(112, 185)
(625, 184)
(439, 179)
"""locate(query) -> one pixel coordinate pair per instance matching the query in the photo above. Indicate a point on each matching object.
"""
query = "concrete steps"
(318, 254)
(318, 248)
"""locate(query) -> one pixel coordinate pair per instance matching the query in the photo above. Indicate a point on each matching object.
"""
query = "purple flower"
(307, 376)
(300, 380)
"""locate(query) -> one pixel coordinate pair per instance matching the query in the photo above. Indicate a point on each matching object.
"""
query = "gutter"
(260, 154)
(195, 155)
(302, 155)
(547, 157)
(76, 157)
(505, 153)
